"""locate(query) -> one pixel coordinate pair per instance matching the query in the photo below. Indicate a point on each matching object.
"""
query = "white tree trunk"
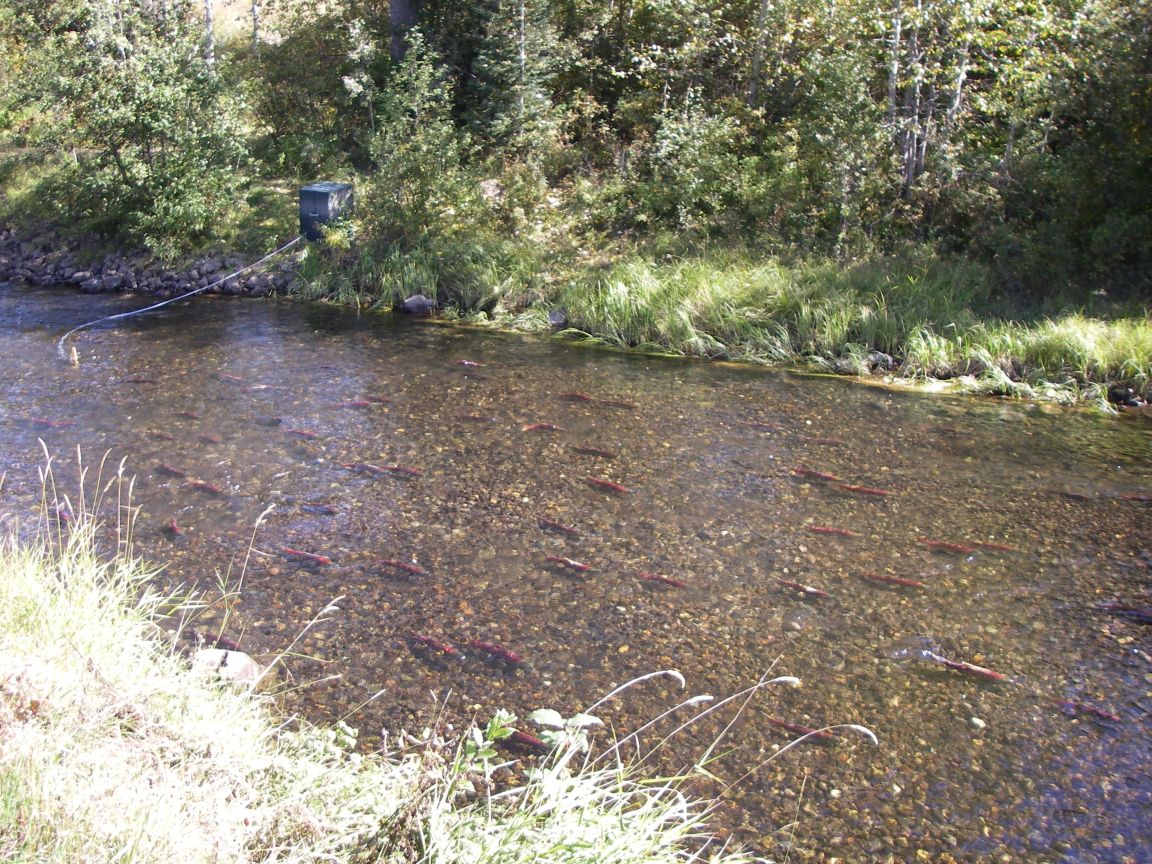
(522, 53)
(209, 36)
(758, 51)
(255, 27)
(894, 64)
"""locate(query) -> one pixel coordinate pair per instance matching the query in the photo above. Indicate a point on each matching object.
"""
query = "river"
(968, 549)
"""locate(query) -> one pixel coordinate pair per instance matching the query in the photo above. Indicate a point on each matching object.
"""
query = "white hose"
(60, 344)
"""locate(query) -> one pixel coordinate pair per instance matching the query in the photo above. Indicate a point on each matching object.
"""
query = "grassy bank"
(114, 748)
(914, 318)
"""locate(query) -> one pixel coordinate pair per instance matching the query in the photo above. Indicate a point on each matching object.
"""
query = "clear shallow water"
(264, 402)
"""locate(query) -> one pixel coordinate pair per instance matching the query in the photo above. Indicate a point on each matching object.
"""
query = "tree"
(512, 105)
(122, 87)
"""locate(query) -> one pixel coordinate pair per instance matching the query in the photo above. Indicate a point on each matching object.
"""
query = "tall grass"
(113, 747)
(466, 273)
(766, 310)
(936, 318)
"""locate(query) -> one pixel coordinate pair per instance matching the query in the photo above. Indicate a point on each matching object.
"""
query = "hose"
(75, 360)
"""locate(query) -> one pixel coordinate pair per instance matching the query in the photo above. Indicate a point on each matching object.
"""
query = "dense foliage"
(1011, 131)
(147, 124)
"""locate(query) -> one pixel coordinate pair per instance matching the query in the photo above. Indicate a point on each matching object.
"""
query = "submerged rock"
(417, 304)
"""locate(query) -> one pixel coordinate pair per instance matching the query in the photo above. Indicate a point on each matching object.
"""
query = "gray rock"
(259, 285)
(417, 304)
(880, 360)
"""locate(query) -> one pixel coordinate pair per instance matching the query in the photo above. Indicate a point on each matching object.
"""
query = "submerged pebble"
(723, 508)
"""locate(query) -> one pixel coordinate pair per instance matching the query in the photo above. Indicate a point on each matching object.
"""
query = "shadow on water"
(884, 547)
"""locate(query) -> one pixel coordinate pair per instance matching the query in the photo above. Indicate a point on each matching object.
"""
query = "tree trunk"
(209, 37)
(402, 17)
(894, 65)
(961, 77)
(925, 132)
(255, 28)
(912, 124)
(522, 54)
(758, 52)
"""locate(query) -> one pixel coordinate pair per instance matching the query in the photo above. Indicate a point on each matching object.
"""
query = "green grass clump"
(739, 307)
(936, 318)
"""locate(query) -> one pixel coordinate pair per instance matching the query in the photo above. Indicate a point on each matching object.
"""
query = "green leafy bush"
(152, 135)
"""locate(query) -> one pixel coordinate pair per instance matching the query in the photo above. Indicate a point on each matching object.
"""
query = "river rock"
(880, 360)
(236, 667)
(259, 285)
(45, 260)
(417, 304)
(1124, 396)
(111, 282)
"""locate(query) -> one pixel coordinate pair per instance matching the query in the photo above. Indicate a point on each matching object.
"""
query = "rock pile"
(42, 259)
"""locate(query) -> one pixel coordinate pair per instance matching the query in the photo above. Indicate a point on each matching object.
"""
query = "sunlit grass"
(936, 318)
(113, 748)
(762, 310)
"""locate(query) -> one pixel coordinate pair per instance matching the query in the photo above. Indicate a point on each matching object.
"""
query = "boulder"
(417, 304)
(259, 285)
(880, 360)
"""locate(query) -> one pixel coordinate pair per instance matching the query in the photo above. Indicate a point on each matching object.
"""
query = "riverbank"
(911, 320)
(113, 746)
(42, 257)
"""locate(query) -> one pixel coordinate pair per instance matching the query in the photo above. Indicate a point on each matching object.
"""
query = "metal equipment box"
(321, 203)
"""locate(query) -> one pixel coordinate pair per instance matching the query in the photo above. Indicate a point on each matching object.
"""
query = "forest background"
(948, 189)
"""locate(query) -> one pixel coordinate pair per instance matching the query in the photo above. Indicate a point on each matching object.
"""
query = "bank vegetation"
(927, 189)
